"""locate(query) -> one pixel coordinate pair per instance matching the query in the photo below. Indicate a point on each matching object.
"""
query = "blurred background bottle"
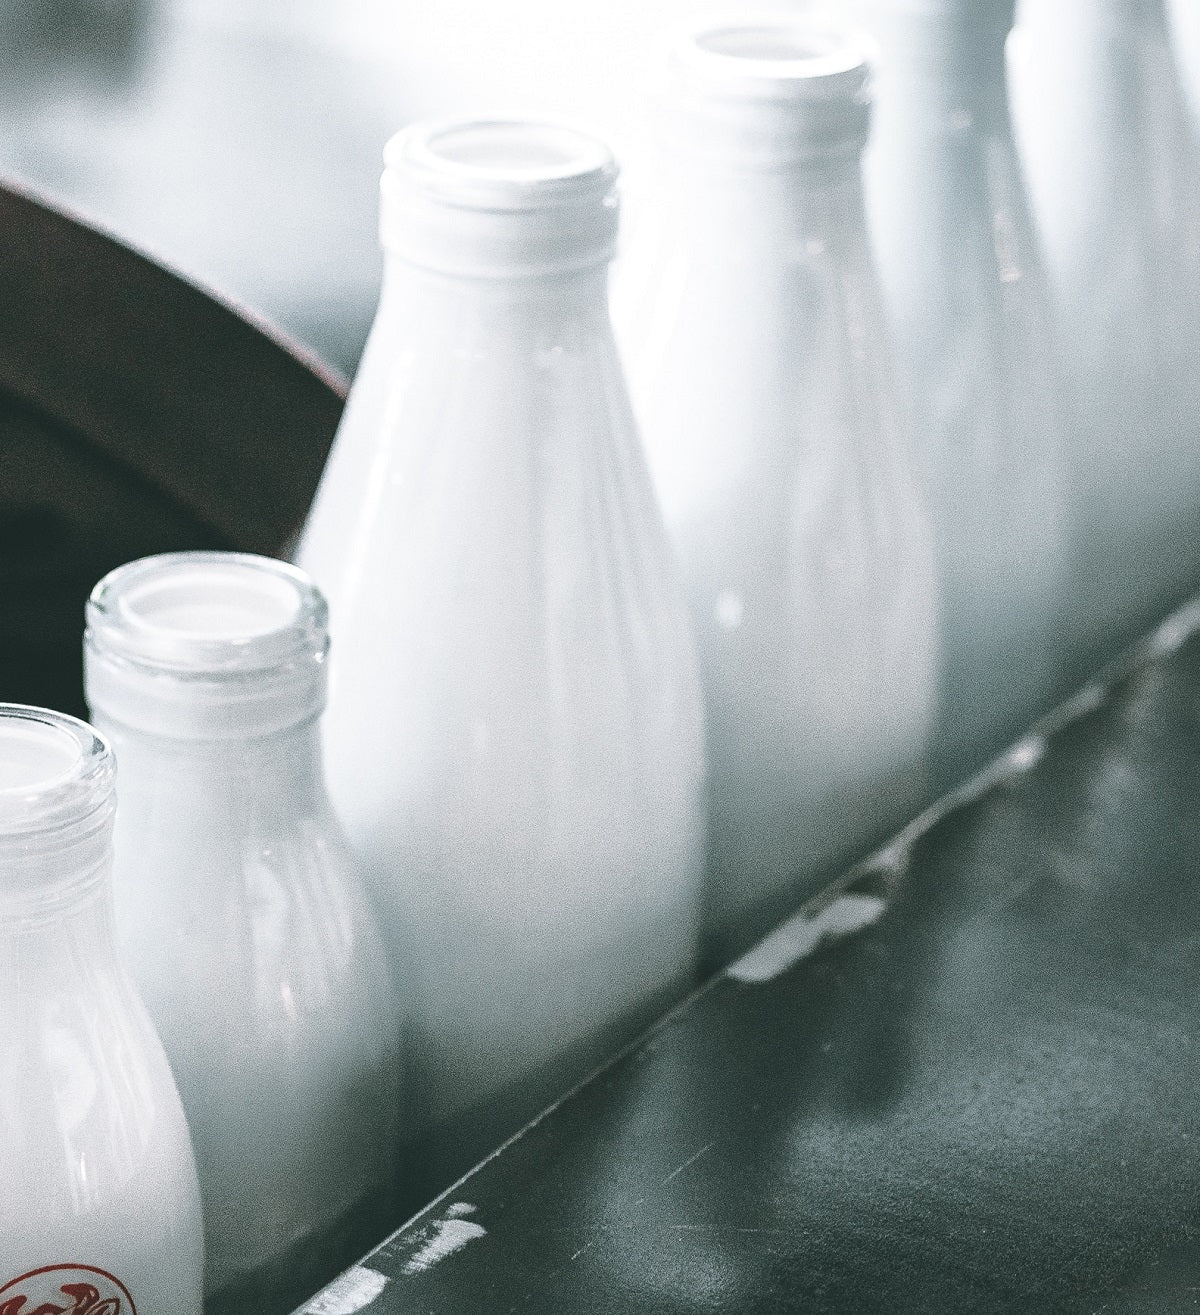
(1115, 180)
(763, 378)
(515, 730)
(99, 1184)
(972, 312)
(242, 914)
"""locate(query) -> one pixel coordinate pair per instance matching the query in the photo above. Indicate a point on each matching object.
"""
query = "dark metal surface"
(984, 1101)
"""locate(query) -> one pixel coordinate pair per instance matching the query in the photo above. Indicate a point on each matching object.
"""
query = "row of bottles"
(978, 351)
(1114, 177)
(596, 716)
(237, 909)
(1035, 206)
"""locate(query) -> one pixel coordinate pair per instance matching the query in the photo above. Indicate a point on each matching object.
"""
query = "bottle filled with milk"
(1114, 171)
(979, 353)
(241, 911)
(99, 1206)
(515, 727)
(763, 377)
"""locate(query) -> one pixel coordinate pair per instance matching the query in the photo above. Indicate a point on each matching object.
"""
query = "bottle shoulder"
(93, 1071)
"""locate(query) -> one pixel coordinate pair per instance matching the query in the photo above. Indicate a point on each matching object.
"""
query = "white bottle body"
(242, 917)
(515, 730)
(1114, 176)
(120, 1194)
(99, 1183)
(979, 353)
(242, 914)
(764, 384)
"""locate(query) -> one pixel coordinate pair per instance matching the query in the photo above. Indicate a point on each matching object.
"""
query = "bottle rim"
(499, 163)
(206, 645)
(775, 55)
(56, 772)
(499, 198)
(768, 91)
(208, 614)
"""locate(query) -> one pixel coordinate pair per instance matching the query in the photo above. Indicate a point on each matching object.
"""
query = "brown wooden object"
(138, 414)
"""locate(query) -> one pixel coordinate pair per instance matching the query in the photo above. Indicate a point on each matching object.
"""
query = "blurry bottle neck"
(63, 938)
(948, 65)
(45, 875)
(814, 201)
(281, 770)
(573, 288)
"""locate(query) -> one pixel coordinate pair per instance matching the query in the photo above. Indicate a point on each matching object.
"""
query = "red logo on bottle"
(66, 1290)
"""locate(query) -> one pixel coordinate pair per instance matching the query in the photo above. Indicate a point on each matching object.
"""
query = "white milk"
(515, 727)
(979, 352)
(764, 381)
(239, 907)
(97, 1182)
(1114, 175)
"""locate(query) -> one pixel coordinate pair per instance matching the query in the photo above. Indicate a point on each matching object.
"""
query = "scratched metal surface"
(984, 1099)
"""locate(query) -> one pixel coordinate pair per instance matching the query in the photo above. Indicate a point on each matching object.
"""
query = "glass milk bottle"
(515, 726)
(764, 381)
(978, 347)
(1115, 181)
(240, 909)
(99, 1205)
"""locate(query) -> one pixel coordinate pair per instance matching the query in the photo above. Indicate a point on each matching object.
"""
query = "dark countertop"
(982, 1099)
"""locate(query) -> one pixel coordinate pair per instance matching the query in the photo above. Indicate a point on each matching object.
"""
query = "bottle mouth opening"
(511, 151)
(776, 54)
(208, 614)
(54, 770)
(502, 163)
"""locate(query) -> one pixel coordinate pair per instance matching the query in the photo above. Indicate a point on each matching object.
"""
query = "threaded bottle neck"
(56, 811)
(769, 93)
(498, 199)
(204, 645)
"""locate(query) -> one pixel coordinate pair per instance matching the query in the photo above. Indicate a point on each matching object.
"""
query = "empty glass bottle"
(978, 348)
(515, 726)
(98, 1194)
(241, 910)
(763, 377)
(1115, 180)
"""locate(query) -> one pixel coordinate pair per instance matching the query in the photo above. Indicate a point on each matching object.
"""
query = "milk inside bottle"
(1114, 171)
(99, 1204)
(515, 726)
(241, 911)
(979, 353)
(763, 377)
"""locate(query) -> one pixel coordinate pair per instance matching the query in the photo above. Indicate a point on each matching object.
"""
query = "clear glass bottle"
(763, 377)
(241, 911)
(98, 1186)
(515, 728)
(979, 351)
(1114, 176)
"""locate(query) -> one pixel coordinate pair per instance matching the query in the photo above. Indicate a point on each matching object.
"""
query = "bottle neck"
(42, 876)
(1146, 16)
(267, 776)
(946, 66)
(56, 914)
(574, 290)
(817, 204)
